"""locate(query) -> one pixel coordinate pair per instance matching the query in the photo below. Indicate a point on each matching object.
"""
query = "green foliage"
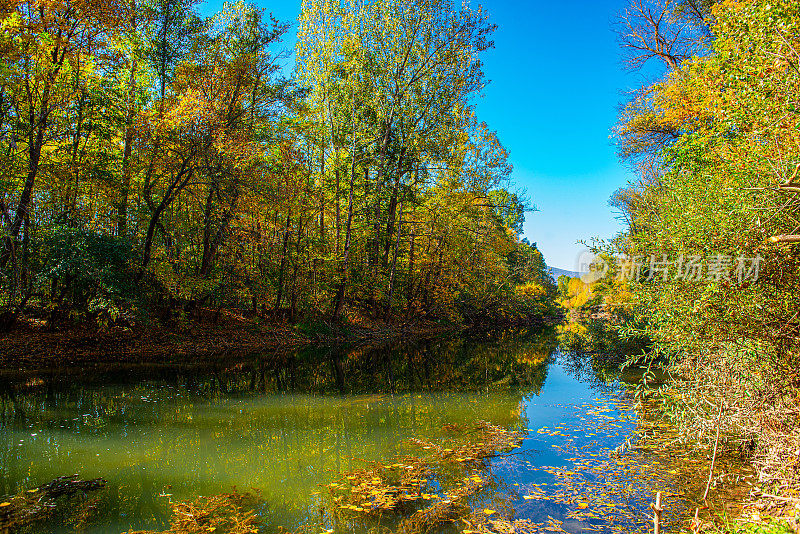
(774, 527)
(509, 209)
(598, 318)
(318, 329)
(91, 269)
(365, 185)
(716, 146)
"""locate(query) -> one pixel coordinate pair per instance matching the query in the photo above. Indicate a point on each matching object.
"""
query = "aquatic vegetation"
(492, 440)
(40, 503)
(427, 491)
(228, 513)
(619, 455)
(381, 489)
(418, 492)
(480, 522)
(451, 483)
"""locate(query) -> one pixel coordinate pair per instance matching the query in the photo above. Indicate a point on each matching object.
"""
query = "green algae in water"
(288, 425)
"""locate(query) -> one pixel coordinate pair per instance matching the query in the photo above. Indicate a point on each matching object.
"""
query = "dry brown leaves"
(484, 522)
(381, 488)
(408, 487)
(493, 440)
(231, 513)
(39, 503)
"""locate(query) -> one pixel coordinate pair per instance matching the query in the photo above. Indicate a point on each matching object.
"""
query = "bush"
(85, 271)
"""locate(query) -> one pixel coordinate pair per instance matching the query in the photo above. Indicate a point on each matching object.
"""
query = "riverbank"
(298, 430)
(713, 413)
(32, 343)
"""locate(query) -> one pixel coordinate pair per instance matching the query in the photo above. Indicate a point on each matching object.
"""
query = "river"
(287, 425)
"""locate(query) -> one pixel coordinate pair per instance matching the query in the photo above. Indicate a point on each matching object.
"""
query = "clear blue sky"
(556, 80)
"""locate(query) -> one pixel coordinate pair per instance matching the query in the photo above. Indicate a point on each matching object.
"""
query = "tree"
(171, 144)
(721, 187)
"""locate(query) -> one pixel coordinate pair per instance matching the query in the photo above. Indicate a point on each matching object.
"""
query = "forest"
(711, 222)
(157, 163)
(160, 167)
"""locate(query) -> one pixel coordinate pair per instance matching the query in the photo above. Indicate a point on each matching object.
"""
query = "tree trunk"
(394, 260)
(379, 184)
(207, 230)
(322, 193)
(284, 259)
(72, 196)
(181, 179)
(345, 268)
(34, 154)
(410, 282)
(338, 213)
(376, 226)
(212, 243)
(122, 209)
(390, 226)
(293, 309)
(38, 123)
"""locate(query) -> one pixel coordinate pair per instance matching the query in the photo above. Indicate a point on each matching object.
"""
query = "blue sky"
(556, 81)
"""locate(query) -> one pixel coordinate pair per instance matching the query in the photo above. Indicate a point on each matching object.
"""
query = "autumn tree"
(157, 161)
(723, 187)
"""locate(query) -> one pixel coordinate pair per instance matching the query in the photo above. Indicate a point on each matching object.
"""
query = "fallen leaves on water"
(231, 513)
(428, 491)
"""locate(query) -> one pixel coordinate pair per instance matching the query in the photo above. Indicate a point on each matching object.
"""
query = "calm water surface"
(289, 424)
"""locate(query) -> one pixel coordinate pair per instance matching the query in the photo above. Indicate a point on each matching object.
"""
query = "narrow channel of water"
(289, 424)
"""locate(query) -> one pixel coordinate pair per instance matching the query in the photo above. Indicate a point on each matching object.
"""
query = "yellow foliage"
(531, 291)
(578, 293)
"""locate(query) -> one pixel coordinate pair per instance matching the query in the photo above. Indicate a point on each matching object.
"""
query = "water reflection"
(287, 424)
(282, 423)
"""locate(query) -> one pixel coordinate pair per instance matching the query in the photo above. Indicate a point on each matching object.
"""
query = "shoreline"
(32, 345)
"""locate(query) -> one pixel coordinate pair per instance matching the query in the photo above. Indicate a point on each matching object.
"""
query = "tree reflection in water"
(282, 423)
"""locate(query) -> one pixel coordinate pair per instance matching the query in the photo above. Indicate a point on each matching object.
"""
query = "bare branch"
(785, 238)
(669, 30)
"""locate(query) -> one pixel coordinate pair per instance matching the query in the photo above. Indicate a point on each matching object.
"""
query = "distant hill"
(555, 272)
